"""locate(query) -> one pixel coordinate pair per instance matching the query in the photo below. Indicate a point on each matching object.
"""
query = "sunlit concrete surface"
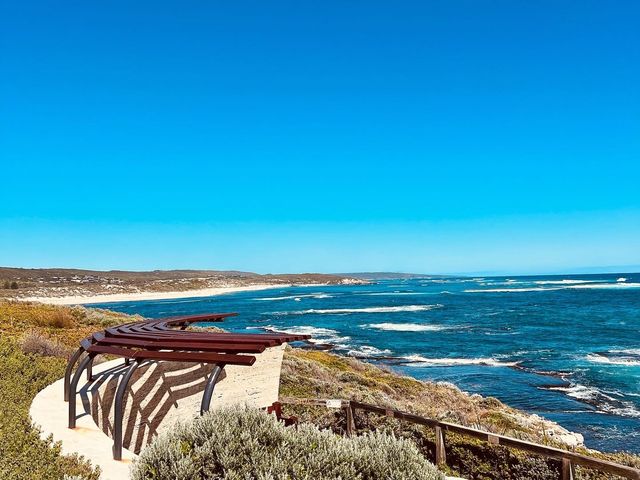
(49, 412)
(159, 395)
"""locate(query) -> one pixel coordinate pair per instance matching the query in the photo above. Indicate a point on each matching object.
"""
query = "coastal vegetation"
(318, 374)
(36, 339)
(245, 443)
(58, 282)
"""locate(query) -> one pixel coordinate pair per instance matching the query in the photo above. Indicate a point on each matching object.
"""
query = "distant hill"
(58, 282)
(388, 275)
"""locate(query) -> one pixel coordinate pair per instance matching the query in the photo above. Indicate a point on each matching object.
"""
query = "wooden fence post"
(351, 424)
(441, 454)
(568, 460)
(567, 469)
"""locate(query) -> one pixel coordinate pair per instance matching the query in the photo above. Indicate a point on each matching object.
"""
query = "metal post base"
(90, 371)
(118, 413)
(208, 389)
(67, 372)
(74, 386)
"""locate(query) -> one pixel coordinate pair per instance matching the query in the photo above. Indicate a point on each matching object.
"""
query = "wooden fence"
(568, 459)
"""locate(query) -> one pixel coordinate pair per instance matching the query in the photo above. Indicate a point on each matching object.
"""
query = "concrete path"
(49, 412)
(159, 394)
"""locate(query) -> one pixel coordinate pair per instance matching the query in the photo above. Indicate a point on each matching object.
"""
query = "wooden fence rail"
(568, 459)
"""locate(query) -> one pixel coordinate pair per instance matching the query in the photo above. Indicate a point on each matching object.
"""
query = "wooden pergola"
(165, 339)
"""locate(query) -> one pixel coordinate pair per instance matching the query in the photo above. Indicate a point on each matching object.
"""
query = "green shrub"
(23, 454)
(243, 444)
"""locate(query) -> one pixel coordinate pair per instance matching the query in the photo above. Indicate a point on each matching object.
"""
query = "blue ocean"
(566, 348)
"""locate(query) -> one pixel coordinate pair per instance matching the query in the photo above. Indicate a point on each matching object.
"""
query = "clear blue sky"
(431, 136)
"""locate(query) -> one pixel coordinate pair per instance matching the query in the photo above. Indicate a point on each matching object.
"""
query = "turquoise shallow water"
(567, 348)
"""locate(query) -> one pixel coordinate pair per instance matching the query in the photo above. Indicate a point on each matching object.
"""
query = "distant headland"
(77, 286)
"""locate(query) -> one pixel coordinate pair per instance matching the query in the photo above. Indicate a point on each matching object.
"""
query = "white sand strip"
(139, 296)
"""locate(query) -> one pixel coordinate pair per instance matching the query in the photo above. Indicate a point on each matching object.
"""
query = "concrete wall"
(161, 394)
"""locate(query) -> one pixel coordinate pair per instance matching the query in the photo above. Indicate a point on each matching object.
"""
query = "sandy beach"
(137, 296)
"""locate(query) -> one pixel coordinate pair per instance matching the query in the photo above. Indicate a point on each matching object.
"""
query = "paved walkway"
(49, 411)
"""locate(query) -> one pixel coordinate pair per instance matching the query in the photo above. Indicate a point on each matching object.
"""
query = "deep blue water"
(567, 348)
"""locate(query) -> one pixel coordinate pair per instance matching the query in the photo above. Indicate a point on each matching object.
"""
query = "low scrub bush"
(100, 317)
(34, 342)
(23, 454)
(243, 444)
(61, 318)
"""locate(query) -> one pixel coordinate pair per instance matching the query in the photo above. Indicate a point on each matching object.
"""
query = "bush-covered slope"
(312, 373)
(316, 374)
(34, 343)
(36, 339)
(243, 443)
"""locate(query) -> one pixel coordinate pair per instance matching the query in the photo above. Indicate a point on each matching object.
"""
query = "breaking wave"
(626, 358)
(295, 297)
(394, 294)
(335, 311)
(620, 285)
(604, 401)
(367, 351)
(419, 360)
(630, 351)
(566, 282)
(503, 290)
(405, 327)
(318, 334)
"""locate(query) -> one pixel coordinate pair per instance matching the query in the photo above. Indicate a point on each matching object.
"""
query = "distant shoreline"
(141, 296)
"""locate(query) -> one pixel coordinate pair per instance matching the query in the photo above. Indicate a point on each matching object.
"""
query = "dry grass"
(317, 374)
(46, 332)
(35, 342)
(67, 325)
(309, 373)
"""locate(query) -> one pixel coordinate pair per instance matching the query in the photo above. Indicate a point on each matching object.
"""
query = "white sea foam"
(566, 282)
(295, 297)
(419, 360)
(367, 351)
(558, 287)
(395, 294)
(620, 285)
(626, 411)
(629, 351)
(336, 311)
(318, 334)
(603, 400)
(582, 392)
(615, 360)
(404, 327)
(504, 290)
